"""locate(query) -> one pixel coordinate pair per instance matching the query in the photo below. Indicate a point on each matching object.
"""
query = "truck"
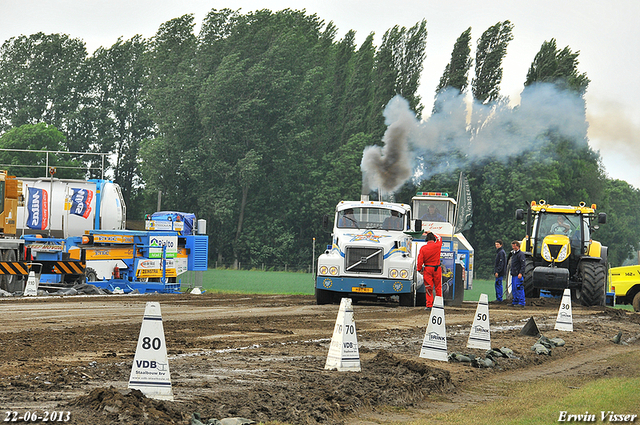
(560, 252)
(370, 256)
(624, 282)
(438, 213)
(150, 260)
(74, 231)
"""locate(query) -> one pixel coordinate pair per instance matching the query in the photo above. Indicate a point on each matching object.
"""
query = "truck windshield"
(433, 210)
(370, 218)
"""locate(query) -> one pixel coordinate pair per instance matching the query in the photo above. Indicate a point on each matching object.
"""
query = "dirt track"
(262, 357)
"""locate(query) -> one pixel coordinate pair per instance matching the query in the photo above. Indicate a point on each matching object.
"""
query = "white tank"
(106, 199)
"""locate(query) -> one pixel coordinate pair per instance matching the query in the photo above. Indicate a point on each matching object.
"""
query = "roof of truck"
(343, 205)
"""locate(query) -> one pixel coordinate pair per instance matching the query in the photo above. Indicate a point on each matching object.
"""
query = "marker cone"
(343, 352)
(434, 345)
(530, 328)
(564, 322)
(150, 371)
(31, 288)
(480, 334)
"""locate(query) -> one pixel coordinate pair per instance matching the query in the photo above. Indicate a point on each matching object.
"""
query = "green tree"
(398, 65)
(620, 233)
(558, 67)
(40, 81)
(456, 73)
(491, 50)
(37, 137)
(122, 115)
(172, 93)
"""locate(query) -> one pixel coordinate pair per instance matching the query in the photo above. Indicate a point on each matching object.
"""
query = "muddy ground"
(262, 357)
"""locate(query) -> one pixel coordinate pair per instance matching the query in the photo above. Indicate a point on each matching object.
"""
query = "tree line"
(258, 124)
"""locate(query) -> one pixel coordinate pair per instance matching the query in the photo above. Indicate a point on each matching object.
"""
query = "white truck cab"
(370, 256)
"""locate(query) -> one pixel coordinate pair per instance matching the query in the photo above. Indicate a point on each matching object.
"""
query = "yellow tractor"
(560, 253)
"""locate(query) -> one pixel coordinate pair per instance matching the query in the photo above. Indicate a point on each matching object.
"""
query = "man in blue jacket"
(499, 268)
(517, 274)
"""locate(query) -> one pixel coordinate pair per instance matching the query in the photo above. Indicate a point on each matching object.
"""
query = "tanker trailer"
(73, 207)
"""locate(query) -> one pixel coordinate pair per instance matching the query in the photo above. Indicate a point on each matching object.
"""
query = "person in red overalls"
(429, 265)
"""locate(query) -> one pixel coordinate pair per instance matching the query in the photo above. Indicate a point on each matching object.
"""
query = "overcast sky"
(606, 33)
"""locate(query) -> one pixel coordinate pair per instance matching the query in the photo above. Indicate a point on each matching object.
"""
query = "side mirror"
(417, 225)
(602, 218)
(519, 214)
(325, 222)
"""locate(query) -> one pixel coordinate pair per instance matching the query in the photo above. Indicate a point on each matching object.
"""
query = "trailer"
(124, 260)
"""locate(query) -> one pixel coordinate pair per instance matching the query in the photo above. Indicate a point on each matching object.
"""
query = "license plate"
(356, 289)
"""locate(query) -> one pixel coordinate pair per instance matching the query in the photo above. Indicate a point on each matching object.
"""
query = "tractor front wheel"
(529, 290)
(593, 284)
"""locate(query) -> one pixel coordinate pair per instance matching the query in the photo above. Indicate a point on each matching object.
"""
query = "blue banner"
(81, 201)
(38, 207)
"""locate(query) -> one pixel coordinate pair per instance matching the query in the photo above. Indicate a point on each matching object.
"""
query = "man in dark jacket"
(517, 274)
(499, 268)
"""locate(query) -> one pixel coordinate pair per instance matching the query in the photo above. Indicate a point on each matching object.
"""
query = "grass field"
(259, 282)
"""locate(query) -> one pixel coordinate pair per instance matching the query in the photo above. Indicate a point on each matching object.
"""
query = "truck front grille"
(364, 260)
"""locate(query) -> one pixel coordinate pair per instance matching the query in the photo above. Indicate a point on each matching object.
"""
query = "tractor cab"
(561, 252)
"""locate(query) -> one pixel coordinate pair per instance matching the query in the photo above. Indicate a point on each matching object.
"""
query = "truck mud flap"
(63, 267)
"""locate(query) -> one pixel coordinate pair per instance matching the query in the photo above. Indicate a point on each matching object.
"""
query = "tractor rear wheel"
(593, 284)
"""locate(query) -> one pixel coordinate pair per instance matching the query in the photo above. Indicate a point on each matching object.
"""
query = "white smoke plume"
(476, 131)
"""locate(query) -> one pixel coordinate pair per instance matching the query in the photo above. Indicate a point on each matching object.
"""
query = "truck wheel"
(323, 297)
(91, 275)
(593, 284)
(408, 300)
(11, 282)
(529, 290)
(636, 302)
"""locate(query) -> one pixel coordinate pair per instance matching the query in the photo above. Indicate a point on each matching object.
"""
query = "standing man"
(517, 274)
(499, 268)
(429, 264)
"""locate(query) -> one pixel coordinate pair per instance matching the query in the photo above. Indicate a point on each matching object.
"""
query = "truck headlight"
(393, 273)
(333, 270)
(324, 269)
(404, 274)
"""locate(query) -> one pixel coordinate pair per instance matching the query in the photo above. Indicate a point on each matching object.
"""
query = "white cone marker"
(343, 353)
(434, 345)
(564, 322)
(480, 334)
(150, 371)
(31, 288)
